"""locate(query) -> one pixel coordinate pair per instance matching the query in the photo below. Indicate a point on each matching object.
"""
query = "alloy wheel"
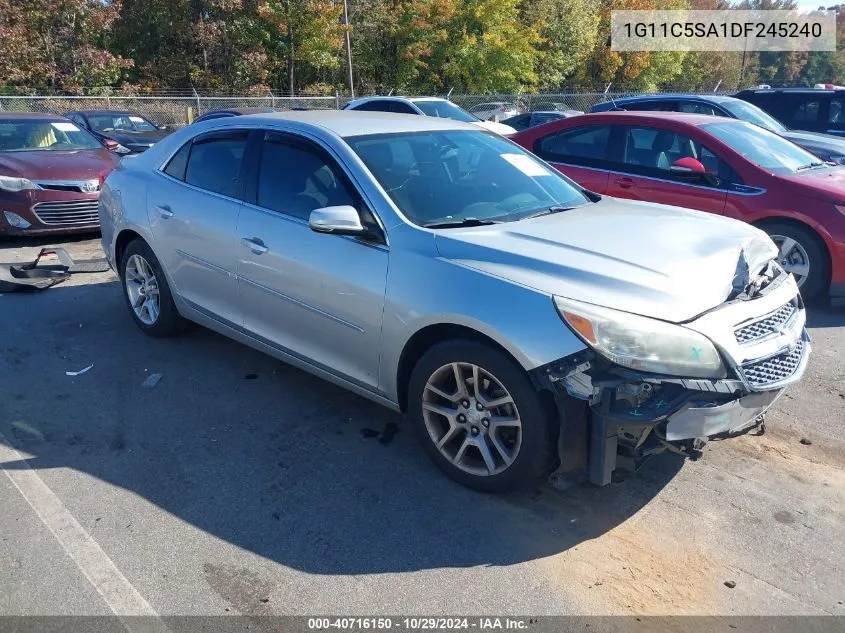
(142, 289)
(472, 419)
(793, 257)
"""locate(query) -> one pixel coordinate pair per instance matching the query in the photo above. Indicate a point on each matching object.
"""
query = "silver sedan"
(523, 324)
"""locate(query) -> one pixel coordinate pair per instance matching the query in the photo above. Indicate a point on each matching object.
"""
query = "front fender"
(424, 291)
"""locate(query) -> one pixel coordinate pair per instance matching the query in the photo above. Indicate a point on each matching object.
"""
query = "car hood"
(654, 260)
(827, 183)
(825, 145)
(498, 128)
(51, 165)
(135, 138)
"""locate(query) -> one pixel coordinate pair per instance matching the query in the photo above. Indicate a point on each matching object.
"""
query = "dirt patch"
(628, 571)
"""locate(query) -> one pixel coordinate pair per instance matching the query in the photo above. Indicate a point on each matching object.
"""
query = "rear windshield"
(751, 113)
(445, 110)
(31, 136)
(454, 175)
(119, 123)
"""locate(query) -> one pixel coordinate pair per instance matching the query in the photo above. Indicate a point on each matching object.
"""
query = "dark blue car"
(825, 146)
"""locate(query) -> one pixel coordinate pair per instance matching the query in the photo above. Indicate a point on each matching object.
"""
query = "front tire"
(146, 292)
(479, 418)
(801, 253)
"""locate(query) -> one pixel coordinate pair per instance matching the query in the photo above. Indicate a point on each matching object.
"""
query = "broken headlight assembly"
(641, 343)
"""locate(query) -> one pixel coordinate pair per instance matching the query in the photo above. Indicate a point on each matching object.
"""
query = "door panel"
(194, 229)
(591, 179)
(315, 295)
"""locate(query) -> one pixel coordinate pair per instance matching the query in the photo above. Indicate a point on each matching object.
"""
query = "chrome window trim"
(758, 190)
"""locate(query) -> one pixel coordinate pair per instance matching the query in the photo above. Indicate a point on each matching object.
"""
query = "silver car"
(525, 326)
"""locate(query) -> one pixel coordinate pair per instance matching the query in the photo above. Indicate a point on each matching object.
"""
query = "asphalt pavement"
(240, 485)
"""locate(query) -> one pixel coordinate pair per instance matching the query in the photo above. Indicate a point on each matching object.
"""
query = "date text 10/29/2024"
(419, 623)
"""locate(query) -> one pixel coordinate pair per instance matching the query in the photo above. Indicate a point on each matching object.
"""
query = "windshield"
(445, 110)
(31, 136)
(751, 113)
(456, 175)
(763, 148)
(120, 122)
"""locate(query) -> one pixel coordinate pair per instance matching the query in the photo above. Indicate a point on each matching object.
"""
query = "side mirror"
(341, 220)
(692, 169)
(687, 165)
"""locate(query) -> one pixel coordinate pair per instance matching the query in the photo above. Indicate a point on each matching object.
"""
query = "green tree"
(567, 31)
(488, 49)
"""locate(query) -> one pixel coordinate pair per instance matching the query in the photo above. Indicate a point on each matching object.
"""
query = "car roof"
(792, 90)
(29, 116)
(346, 123)
(396, 98)
(645, 116)
(668, 97)
(107, 112)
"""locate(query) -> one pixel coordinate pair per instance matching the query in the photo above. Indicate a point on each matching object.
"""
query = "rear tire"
(455, 421)
(146, 292)
(805, 256)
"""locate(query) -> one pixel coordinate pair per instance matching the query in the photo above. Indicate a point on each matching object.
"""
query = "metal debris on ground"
(81, 371)
(805, 441)
(151, 381)
(730, 584)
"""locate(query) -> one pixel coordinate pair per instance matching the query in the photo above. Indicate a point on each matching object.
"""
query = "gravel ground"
(241, 485)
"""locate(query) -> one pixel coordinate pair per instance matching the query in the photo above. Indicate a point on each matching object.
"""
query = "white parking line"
(118, 593)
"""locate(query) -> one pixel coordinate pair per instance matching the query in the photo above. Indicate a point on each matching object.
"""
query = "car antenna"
(390, 93)
(612, 102)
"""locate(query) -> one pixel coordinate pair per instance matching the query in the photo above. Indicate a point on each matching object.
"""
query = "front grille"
(775, 369)
(76, 186)
(767, 326)
(68, 213)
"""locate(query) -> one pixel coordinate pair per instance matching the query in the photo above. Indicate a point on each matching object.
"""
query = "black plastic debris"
(35, 275)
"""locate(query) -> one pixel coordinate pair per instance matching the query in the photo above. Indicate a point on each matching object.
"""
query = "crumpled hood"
(649, 259)
(85, 164)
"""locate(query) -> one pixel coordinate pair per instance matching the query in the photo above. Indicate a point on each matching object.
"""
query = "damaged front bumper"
(614, 418)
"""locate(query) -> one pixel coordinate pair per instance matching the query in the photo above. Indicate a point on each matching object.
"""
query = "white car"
(494, 111)
(426, 106)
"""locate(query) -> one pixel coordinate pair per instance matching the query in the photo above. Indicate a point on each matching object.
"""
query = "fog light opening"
(16, 221)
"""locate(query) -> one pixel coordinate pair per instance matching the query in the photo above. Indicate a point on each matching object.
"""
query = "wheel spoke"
(452, 397)
(462, 450)
(786, 247)
(501, 449)
(498, 402)
(440, 409)
(476, 383)
(484, 449)
(139, 301)
(447, 437)
(459, 380)
(799, 270)
(152, 309)
(132, 274)
(498, 421)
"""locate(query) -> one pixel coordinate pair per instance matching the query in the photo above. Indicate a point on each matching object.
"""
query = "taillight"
(103, 175)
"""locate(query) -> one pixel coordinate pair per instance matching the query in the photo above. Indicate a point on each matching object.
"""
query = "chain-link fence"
(175, 110)
(164, 110)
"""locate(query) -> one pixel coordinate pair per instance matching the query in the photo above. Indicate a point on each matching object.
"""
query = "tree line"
(408, 46)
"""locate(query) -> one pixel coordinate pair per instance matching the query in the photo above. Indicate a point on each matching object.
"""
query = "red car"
(51, 171)
(713, 164)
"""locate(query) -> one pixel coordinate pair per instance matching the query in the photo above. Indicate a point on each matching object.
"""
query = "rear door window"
(807, 111)
(579, 146)
(215, 163)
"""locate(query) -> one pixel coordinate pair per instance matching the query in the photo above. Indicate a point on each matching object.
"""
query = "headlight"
(641, 343)
(8, 183)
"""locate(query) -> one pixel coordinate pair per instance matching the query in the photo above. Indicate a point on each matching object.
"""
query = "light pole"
(348, 49)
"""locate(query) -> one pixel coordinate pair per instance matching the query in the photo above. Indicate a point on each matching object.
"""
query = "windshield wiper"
(548, 211)
(457, 223)
(809, 166)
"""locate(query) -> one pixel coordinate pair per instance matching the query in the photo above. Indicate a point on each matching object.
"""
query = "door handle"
(625, 182)
(255, 245)
(164, 211)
